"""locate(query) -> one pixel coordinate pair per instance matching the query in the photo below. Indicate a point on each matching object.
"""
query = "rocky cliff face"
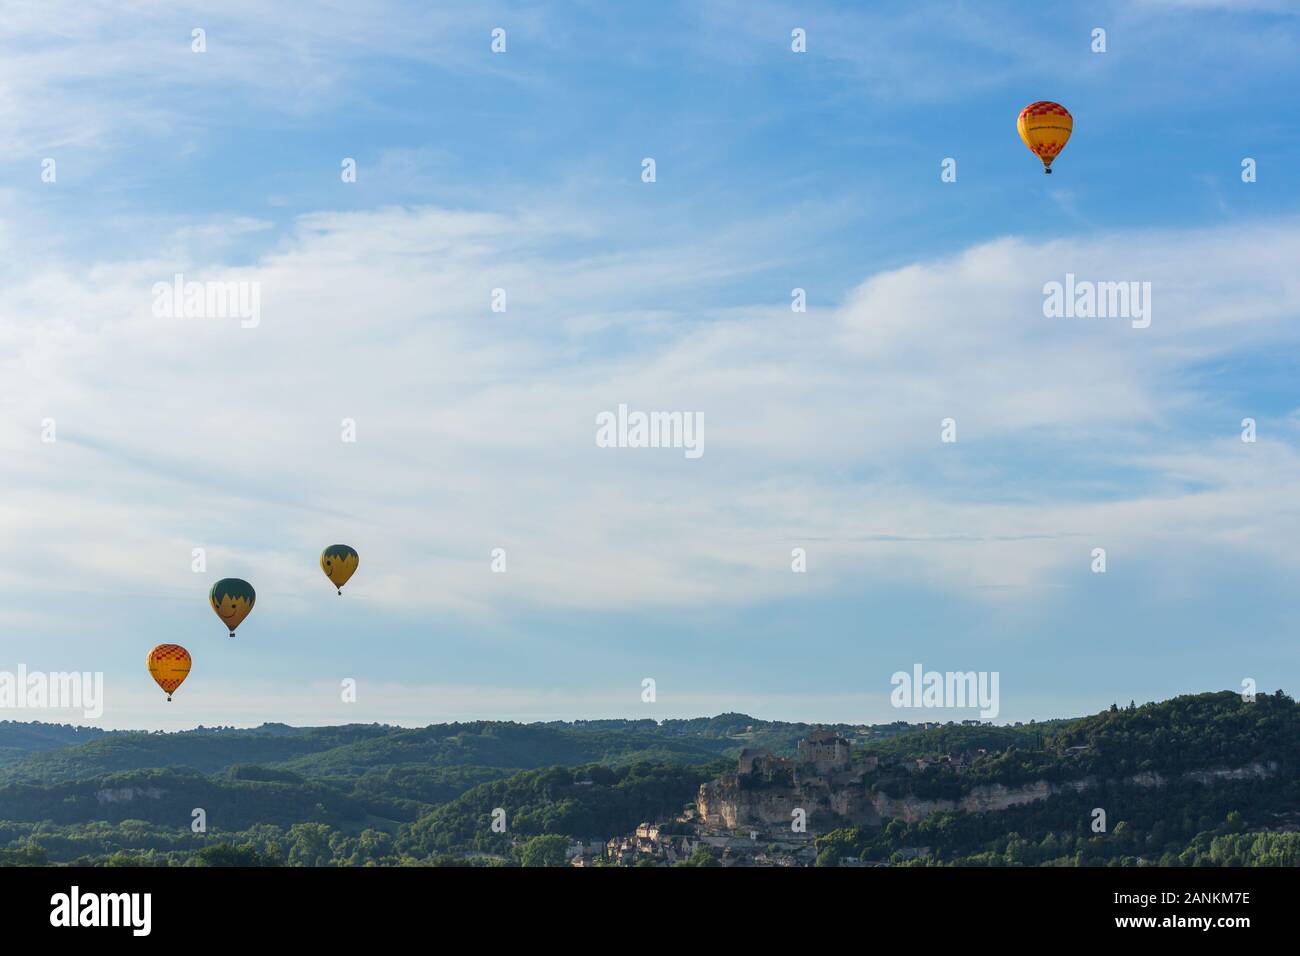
(731, 801)
(1253, 771)
(979, 800)
(127, 794)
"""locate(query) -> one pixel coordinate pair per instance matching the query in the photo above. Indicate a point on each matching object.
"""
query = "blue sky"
(774, 171)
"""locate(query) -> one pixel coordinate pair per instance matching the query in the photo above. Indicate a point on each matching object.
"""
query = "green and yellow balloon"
(339, 562)
(232, 599)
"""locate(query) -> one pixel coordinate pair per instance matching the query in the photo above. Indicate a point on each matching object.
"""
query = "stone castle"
(765, 790)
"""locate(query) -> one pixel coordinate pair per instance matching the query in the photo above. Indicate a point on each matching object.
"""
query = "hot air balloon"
(339, 562)
(232, 599)
(169, 665)
(1045, 127)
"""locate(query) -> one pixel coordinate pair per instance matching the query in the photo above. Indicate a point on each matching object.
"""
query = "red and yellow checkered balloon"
(169, 664)
(1045, 127)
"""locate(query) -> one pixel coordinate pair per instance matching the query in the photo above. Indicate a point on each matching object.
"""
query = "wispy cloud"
(476, 428)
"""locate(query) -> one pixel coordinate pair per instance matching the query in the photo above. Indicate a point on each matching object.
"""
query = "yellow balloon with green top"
(339, 562)
(232, 599)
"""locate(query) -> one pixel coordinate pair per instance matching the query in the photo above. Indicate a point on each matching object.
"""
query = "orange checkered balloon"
(1045, 127)
(169, 664)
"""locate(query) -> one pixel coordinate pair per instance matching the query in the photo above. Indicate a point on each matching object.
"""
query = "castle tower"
(824, 751)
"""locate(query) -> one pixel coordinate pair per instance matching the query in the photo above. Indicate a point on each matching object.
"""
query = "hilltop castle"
(823, 753)
(766, 789)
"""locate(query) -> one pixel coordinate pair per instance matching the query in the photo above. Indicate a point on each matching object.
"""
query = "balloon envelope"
(339, 562)
(169, 665)
(1045, 127)
(232, 599)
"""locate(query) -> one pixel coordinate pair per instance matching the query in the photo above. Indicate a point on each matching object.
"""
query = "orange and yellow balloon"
(169, 665)
(1045, 127)
(232, 599)
(339, 562)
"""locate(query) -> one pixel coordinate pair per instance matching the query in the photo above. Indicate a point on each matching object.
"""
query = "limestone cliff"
(127, 794)
(734, 801)
(984, 799)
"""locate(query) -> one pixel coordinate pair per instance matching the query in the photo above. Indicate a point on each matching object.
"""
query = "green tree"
(703, 856)
(30, 855)
(309, 845)
(544, 851)
(227, 854)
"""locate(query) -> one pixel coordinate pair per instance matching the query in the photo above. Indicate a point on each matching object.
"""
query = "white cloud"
(476, 430)
(94, 76)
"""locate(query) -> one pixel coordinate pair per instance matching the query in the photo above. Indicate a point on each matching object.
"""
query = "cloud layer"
(475, 429)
